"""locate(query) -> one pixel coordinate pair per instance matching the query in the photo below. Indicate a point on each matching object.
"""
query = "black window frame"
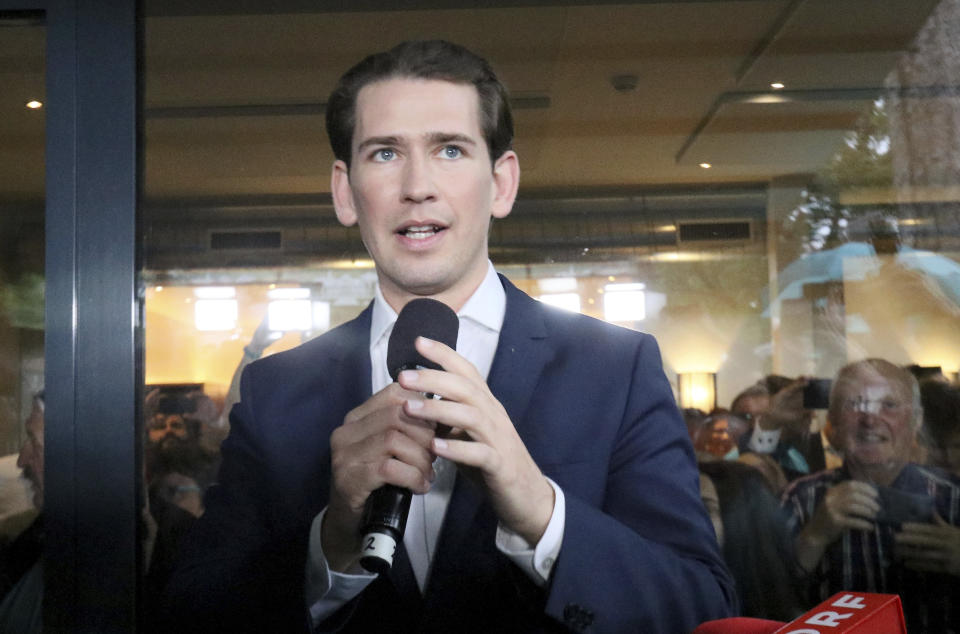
(93, 328)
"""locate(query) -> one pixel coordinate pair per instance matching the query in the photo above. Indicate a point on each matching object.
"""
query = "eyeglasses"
(873, 406)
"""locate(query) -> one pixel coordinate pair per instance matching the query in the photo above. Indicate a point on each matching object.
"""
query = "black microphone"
(385, 513)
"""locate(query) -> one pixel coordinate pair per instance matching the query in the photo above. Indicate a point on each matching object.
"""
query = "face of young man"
(875, 430)
(421, 187)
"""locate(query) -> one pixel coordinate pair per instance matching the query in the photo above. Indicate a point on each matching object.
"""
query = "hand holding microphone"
(376, 445)
(385, 513)
(391, 439)
(485, 444)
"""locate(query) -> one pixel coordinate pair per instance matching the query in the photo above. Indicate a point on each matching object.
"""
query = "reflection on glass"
(776, 196)
(22, 43)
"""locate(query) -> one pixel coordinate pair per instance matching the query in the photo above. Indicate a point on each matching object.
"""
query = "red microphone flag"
(851, 613)
(843, 613)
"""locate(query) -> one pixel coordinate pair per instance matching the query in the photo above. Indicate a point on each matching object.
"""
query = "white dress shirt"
(481, 319)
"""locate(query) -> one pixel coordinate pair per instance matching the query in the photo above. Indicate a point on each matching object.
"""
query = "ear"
(506, 180)
(342, 194)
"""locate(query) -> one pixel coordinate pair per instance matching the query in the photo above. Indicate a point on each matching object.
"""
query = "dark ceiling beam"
(594, 196)
(169, 8)
(24, 17)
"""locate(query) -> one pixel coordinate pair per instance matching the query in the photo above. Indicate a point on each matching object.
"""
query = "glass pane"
(769, 188)
(22, 45)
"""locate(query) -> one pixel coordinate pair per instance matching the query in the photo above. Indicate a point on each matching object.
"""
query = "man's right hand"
(848, 505)
(377, 444)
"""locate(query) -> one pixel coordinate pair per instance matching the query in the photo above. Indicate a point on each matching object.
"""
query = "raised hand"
(786, 409)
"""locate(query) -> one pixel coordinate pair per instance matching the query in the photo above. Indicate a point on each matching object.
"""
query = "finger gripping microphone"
(385, 513)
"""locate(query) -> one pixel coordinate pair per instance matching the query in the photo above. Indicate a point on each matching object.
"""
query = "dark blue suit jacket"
(595, 411)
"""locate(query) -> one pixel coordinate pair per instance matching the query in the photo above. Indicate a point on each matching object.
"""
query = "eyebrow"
(434, 138)
(446, 137)
(378, 140)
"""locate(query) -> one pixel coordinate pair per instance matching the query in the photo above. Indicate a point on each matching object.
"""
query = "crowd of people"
(552, 484)
(868, 501)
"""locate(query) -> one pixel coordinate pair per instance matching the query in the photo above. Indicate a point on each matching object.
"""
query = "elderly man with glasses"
(880, 523)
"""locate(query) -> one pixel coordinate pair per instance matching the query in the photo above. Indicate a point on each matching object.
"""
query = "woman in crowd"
(754, 539)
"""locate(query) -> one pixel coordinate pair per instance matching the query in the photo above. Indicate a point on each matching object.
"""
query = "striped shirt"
(864, 560)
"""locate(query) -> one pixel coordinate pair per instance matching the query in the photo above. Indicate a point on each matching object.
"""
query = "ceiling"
(234, 95)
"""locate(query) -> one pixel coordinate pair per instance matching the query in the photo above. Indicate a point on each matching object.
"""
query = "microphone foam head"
(421, 317)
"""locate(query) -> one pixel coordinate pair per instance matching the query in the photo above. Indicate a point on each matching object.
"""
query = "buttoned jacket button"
(577, 617)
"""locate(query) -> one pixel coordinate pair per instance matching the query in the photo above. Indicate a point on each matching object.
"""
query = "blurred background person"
(21, 570)
(940, 433)
(693, 418)
(780, 425)
(178, 469)
(717, 437)
(753, 534)
(175, 422)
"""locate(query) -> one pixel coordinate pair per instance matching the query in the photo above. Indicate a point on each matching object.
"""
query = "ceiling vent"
(713, 231)
(235, 240)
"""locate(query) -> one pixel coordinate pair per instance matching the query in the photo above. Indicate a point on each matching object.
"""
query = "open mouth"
(870, 437)
(420, 232)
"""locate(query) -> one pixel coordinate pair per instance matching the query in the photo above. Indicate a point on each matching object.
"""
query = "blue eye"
(384, 154)
(451, 152)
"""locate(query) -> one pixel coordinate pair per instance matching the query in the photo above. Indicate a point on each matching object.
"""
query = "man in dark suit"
(566, 497)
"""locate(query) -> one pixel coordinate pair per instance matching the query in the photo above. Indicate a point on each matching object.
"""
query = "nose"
(867, 418)
(418, 185)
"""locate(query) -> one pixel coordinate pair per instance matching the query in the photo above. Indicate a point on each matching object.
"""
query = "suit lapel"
(350, 360)
(522, 352)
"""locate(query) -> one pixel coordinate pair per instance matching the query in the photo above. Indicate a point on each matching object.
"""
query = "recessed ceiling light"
(34, 105)
(776, 85)
(706, 166)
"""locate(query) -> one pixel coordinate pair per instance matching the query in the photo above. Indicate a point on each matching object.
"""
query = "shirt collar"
(488, 304)
(381, 321)
(487, 307)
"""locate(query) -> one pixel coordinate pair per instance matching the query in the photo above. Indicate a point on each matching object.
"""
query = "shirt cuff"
(328, 590)
(764, 440)
(536, 562)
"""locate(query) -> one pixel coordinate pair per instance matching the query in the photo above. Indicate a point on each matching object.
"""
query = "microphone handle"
(385, 514)
(384, 520)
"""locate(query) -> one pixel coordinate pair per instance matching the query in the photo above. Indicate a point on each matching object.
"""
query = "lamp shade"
(697, 390)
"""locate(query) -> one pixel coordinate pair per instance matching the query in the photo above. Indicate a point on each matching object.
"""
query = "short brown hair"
(433, 59)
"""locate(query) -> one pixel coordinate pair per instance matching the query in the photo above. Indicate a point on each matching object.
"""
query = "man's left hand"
(483, 438)
(930, 547)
